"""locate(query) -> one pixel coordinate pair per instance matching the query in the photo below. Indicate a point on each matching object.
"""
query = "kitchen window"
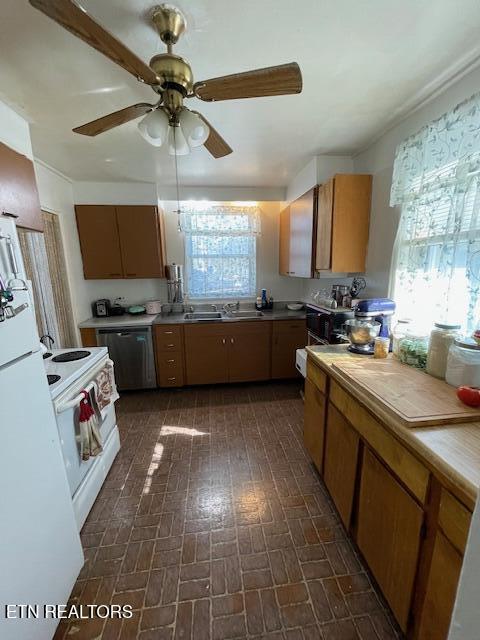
(436, 182)
(220, 251)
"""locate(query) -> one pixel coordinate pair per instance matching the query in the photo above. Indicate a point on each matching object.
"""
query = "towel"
(105, 389)
(90, 439)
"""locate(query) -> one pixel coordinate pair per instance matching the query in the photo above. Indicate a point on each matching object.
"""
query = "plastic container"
(463, 363)
(441, 339)
(400, 330)
(153, 307)
(413, 348)
(381, 347)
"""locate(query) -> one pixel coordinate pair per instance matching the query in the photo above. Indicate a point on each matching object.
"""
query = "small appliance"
(174, 273)
(373, 317)
(101, 308)
(326, 326)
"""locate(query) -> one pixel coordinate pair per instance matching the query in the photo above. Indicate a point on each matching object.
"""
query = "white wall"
(282, 288)
(378, 159)
(14, 131)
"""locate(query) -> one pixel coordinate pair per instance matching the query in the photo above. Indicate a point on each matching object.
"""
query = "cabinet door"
(441, 590)
(388, 534)
(323, 252)
(89, 337)
(351, 219)
(284, 243)
(18, 189)
(140, 241)
(99, 241)
(314, 423)
(206, 354)
(249, 351)
(287, 337)
(341, 459)
(301, 234)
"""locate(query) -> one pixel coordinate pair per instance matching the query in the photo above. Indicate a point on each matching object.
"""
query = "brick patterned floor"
(213, 524)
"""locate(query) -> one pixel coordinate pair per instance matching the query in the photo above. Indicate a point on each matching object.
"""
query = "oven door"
(313, 339)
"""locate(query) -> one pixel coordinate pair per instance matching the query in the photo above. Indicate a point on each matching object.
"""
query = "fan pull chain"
(179, 226)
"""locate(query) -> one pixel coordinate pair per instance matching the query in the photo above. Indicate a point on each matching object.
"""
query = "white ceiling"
(363, 62)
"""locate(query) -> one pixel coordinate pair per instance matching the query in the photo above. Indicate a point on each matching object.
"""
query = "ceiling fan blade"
(114, 119)
(215, 144)
(76, 20)
(271, 81)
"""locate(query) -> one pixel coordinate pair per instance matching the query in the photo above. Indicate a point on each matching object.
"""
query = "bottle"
(441, 338)
(258, 303)
(264, 299)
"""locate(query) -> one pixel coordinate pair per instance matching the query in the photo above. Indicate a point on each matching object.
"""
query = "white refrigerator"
(40, 550)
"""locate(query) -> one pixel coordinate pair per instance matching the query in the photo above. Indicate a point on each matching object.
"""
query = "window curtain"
(45, 266)
(220, 250)
(436, 182)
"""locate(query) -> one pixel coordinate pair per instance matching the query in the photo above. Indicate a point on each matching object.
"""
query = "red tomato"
(469, 396)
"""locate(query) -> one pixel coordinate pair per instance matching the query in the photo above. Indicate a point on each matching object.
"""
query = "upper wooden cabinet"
(18, 189)
(343, 223)
(326, 229)
(297, 224)
(120, 241)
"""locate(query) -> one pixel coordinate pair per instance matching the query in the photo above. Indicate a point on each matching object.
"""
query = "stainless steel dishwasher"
(131, 349)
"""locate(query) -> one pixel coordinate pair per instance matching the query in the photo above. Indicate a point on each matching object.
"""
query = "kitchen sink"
(203, 315)
(245, 314)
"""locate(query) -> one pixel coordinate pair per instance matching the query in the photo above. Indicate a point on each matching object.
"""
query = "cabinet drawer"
(316, 375)
(454, 520)
(171, 378)
(289, 326)
(408, 469)
(168, 338)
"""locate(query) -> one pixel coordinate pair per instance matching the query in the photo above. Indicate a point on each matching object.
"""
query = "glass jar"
(463, 363)
(381, 347)
(441, 338)
(399, 331)
(413, 348)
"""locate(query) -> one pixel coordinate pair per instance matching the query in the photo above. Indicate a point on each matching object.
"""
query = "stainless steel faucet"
(214, 307)
(228, 306)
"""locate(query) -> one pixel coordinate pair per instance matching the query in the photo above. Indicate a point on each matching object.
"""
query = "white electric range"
(67, 379)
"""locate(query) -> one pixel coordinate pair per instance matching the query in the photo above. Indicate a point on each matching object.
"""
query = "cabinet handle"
(171, 379)
(170, 361)
(232, 341)
(168, 333)
(223, 340)
(170, 345)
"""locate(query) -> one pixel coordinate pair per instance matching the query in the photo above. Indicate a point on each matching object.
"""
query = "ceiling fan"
(171, 78)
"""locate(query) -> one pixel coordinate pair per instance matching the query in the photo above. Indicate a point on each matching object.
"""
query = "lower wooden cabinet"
(169, 355)
(341, 459)
(206, 357)
(441, 590)
(314, 423)
(248, 349)
(287, 337)
(227, 352)
(389, 530)
(88, 336)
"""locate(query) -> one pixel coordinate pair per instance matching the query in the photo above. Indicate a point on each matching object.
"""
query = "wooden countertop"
(450, 451)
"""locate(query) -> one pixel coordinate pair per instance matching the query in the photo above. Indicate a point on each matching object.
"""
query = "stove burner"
(46, 355)
(52, 379)
(69, 356)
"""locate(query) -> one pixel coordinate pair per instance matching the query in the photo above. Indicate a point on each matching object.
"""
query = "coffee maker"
(378, 310)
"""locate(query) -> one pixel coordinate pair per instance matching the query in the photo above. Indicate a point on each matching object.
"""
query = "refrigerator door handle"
(15, 283)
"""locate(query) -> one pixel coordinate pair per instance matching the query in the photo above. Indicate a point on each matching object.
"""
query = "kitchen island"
(405, 494)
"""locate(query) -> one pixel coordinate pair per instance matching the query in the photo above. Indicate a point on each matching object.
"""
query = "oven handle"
(71, 404)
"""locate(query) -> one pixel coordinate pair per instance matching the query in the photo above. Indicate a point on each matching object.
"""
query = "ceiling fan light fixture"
(195, 130)
(177, 143)
(154, 127)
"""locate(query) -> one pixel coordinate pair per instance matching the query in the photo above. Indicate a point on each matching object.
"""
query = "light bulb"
(154, 126)
(196, 131)
(177, 142)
